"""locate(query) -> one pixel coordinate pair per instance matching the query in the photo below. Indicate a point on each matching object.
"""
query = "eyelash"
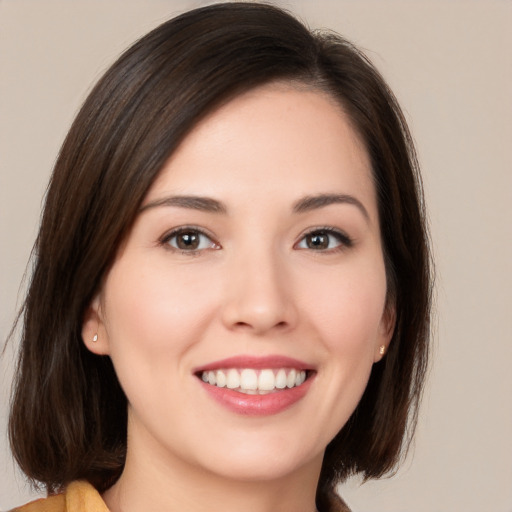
(165, 240)
(344, 241)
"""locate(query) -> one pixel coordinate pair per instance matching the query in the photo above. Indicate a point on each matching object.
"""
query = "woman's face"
(255, 262)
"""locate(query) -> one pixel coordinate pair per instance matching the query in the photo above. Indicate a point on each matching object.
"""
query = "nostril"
(242, 324)
(246, 325)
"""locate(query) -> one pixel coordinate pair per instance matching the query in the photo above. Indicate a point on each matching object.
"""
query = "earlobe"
(386, 328)
(94, 335)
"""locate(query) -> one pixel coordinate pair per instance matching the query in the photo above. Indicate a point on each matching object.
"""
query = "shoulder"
(52, 504)
(79, 496)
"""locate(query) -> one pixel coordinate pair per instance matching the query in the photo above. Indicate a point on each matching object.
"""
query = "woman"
(230, 298)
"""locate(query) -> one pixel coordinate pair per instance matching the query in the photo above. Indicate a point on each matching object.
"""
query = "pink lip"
(255, 362)
(257, 405)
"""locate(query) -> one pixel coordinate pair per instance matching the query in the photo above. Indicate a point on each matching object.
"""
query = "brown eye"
(189, 240)
(317, 240)
(324, 240)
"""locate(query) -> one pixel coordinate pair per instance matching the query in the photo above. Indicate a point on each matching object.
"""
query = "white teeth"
(281, 379)
(290, 380)
(248, 379)
(221, 379)
(254, 382)
(233, 379)
(266, 380)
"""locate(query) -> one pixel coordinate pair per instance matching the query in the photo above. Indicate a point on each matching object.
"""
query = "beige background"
(450, 65)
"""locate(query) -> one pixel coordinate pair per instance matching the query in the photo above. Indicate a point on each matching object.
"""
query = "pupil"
(318, 241)
(188, 241)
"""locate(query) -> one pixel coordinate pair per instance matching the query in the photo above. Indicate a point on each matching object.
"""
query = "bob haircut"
(68, 416)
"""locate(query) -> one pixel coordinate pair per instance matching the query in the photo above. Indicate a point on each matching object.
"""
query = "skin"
(254, 287)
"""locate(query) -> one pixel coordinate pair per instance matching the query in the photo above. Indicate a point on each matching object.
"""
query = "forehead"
(277, 139)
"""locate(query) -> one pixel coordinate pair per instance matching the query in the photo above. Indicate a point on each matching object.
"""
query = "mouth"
(256, 385)
(255, 381)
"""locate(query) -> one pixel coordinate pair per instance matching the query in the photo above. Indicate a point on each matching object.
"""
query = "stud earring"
(382, 350)
(95, 337)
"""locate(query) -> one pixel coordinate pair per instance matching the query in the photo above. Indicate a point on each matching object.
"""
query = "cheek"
(347, 318)
(347, 307)
(152, 314)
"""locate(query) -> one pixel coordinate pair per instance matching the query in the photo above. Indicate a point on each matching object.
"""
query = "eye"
(325, 239)
(189, 240)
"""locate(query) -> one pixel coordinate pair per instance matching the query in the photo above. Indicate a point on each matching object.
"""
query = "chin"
(260, 462)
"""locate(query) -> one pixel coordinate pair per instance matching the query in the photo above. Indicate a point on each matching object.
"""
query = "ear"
(386, 330)
(94, 334)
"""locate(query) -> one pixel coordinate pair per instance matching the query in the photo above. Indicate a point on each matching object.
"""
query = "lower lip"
(257, 405)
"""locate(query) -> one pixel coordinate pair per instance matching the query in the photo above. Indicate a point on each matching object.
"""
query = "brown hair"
(68, 417)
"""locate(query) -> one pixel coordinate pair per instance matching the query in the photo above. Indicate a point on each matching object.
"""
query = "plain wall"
(450, 64)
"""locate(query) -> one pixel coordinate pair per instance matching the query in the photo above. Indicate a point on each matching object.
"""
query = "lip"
(256, 363)
(257, 405)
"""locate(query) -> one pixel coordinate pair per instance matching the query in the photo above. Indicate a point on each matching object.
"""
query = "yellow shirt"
(79, 496)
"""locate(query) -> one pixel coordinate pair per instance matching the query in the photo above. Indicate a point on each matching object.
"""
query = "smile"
(255, 382)
(256, 386)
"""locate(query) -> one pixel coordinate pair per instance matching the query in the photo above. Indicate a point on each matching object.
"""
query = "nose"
(259, 295)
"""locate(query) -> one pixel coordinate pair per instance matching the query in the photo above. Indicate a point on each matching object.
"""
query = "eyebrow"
(207, 204)
(309, 203)
(204, 204)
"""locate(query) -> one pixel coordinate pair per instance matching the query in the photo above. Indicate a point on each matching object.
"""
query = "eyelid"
(345, 241)
(164, 239)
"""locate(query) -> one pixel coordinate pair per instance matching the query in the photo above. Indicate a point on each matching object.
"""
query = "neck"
(206, 494)
(155, 481)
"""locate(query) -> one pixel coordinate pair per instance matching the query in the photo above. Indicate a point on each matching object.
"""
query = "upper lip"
(255, 362)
